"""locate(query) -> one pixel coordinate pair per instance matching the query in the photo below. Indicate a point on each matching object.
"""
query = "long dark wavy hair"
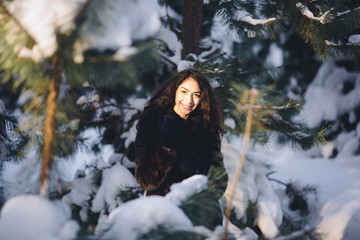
(163, 100)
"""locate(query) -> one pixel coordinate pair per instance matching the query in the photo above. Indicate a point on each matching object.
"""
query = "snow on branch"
(41, 20)
(255, 22)
(245, 16)
(306, 12)
(331, 44)
(117, 26)
(353, 40)
(347, 12)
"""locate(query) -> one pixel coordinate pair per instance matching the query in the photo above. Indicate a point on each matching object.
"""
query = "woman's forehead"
(190, 84)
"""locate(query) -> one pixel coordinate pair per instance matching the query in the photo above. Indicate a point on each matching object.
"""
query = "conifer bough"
(49, 130)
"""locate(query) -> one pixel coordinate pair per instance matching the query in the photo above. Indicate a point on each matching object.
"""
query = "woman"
(178, 135)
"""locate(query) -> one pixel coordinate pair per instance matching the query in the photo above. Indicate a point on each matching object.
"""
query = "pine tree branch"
(82, 10)
(106, 60)
(307, 13)
(113, 105)
(67, 136)
(275, 180)
(287, 106)
(332, 44)
(348, 12)
(12, 17)
(217, 56)
(165, 58)
(323, 18)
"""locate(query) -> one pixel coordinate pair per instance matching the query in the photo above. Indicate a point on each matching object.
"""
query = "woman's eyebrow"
(189, 90)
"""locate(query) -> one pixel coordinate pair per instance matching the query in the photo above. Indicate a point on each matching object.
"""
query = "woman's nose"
(190, 99)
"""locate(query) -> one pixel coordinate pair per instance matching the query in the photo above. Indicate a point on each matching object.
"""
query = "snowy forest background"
(76, 74)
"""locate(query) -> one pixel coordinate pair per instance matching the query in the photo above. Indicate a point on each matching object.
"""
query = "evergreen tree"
(236, 72)
(54, 67)
(82, 82)
(257, 25)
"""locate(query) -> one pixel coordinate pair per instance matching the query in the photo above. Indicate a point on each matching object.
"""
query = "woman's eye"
(197, 95)
(183, 91)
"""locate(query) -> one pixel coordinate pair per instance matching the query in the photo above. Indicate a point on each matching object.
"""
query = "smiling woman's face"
(187, 97)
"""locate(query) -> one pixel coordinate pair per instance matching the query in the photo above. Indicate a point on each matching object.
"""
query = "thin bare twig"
(275, 180)
(253, 95)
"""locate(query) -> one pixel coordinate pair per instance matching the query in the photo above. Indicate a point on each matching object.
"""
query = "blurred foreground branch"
(253, 95)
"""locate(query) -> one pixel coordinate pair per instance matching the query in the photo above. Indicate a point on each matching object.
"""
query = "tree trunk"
(49, 130)
(191, 27)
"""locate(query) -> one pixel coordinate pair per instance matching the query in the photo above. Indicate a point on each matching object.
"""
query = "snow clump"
(38, 219)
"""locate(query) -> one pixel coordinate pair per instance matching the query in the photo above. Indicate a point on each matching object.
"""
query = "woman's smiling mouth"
(187, 107)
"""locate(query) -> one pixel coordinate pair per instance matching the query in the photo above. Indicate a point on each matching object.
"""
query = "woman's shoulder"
(152, 119)
(147, 120)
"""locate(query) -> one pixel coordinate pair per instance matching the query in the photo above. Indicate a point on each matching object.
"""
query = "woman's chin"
(186, 112)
